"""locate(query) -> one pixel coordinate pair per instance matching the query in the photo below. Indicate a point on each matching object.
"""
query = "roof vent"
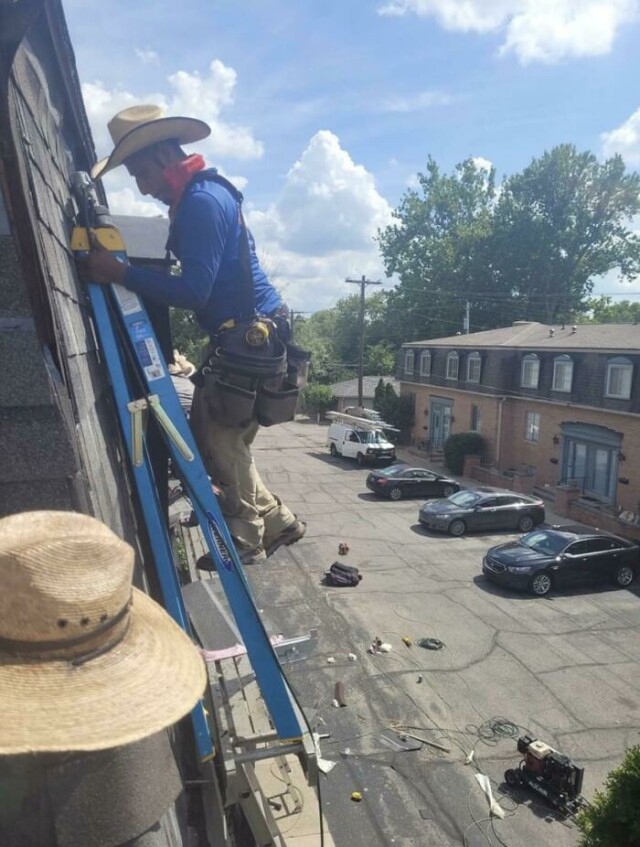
(574, 329)
(551, 332)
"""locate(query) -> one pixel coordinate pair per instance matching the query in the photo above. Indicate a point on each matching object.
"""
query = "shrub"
(462, 444)
(317, 399)
(613, 819)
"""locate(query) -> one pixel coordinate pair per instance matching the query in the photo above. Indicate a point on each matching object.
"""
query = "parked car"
(398, 481)
(564, 555)
(483, 509)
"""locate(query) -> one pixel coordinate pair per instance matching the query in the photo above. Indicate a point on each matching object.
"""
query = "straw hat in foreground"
(86, 661)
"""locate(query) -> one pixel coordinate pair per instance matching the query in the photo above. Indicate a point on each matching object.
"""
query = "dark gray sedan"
(483, 509)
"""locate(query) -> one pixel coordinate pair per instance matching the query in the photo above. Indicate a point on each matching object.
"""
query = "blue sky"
(323, 112)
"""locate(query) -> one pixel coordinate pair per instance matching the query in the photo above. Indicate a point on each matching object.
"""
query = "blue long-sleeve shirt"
(206, 239)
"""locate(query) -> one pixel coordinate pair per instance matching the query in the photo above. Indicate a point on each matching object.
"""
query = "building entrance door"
(440, 422)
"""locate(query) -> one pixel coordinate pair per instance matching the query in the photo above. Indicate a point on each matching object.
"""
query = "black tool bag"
(342, 575)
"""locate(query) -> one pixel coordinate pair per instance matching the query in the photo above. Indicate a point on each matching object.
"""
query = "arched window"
(408, 362)
(474, 366)
(425, 363)
(452, 365)
(530, 374)
(562, 374)
(619, 378)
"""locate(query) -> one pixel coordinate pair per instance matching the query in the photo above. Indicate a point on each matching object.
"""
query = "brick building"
(559, 404)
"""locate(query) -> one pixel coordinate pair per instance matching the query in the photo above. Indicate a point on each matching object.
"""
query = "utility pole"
(363, 284)
(467, 318)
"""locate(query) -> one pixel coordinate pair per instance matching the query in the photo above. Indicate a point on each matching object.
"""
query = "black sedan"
(482, 509)
(398, 481)
(564, 555)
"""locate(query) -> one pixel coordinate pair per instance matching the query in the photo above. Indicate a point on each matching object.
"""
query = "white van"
(362, 444)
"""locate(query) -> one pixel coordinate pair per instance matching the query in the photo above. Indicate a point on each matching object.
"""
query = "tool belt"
(250, 373)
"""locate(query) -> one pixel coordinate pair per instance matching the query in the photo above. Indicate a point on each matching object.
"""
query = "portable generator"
(549, 773)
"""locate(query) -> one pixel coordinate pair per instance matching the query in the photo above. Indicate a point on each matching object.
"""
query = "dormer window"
(619, 377)
(425, 363)
(530, 375)
(562, 374)
(452, 365)
(409, 362)
(474, 366)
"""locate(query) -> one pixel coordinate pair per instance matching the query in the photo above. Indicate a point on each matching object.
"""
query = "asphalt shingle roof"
(349, 388)
(529, 335)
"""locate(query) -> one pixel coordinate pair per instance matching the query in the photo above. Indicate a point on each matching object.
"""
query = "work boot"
(289, 535)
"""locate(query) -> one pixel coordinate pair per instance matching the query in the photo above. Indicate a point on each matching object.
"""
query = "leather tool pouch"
(276, 405)
(297, 366)
(230, 404)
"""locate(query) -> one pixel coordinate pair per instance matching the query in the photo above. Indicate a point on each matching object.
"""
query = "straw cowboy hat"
(86, 661)
(138, 127)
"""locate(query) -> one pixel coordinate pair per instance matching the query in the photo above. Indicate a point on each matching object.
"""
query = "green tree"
(380, 359)
(613, 818)
(559, 224)
(438, 248)
(397, 410)
(604, 311)
(187, 335)
(317, 399)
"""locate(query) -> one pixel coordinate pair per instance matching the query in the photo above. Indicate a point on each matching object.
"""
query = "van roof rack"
(361, 423)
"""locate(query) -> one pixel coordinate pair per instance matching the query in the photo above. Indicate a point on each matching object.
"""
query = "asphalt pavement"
(564, 669)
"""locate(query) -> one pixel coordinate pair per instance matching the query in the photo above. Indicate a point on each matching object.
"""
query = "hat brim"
(182, 130)
(147, 682)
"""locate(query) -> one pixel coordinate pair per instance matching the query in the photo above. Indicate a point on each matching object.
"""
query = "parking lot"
(564, 669)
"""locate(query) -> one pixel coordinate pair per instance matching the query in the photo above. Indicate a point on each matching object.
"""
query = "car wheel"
(448, 490)
(623, 576)
(360, 460)
(457, 527)
(396, 493)
(541, 584)
(333, 450)
(525, 524)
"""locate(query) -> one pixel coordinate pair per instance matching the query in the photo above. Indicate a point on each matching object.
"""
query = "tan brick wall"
(515, 451)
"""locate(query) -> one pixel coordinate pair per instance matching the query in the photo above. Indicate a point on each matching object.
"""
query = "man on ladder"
(251, 375)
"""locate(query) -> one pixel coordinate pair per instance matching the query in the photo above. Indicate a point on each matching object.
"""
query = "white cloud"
(321, 228)
(535, 30)
(189, 94)
(127, 202)
(482, 164)
(147, 56)
(624, 140)
(416, 102)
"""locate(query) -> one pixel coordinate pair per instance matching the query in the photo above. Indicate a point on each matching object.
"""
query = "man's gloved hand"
(100, 265)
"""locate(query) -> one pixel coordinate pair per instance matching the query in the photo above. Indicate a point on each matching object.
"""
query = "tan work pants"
(254, 515)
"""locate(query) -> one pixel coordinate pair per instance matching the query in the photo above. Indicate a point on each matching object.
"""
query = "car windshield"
(464, 498)
(394, 470)
(370, 436)
(548, 543)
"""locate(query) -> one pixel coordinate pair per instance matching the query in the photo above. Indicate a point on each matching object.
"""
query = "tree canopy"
(528, 249)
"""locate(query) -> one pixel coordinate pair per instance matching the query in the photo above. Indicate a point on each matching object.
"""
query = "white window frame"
(620, 364)
(452, 357)
(531, 359)
(478, 426)
(425, 363)
(474, 358)
(532, 427)
(409, 357)
(560, 363)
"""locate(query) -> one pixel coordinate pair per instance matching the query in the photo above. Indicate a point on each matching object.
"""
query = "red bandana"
(179, 174)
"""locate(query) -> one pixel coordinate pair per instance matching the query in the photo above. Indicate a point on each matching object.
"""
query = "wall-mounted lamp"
(553, 461)
(555, 440)
(622, 457)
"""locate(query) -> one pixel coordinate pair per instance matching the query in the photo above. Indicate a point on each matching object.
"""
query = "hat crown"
(62, 575)
(132, 118)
